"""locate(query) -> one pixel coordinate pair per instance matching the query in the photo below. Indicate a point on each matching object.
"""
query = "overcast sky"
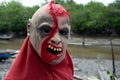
(38, 2)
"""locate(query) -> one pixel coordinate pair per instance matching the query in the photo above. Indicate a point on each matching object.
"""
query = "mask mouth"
(56, 50)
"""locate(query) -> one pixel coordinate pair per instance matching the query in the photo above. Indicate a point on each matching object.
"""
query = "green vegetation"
(93, 18)
(14, 17)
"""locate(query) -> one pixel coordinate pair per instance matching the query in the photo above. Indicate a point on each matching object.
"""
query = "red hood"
(29, 66)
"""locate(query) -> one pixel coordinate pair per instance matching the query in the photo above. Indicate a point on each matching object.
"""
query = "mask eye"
(45, 29)
(64, 31)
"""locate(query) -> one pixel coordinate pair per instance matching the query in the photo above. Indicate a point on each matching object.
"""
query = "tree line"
(94, 18)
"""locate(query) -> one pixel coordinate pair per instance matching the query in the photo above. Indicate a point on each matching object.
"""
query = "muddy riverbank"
(83, 67)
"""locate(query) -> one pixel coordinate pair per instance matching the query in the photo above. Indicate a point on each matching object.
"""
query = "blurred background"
(95, 34)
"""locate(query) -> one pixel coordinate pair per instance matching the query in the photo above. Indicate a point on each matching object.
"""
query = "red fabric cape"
(29, 66)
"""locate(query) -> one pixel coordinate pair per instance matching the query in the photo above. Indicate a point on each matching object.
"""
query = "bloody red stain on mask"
(55, 10)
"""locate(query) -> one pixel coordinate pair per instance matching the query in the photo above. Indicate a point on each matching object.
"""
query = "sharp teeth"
(49, 46)
(55, 49)
(60, 49)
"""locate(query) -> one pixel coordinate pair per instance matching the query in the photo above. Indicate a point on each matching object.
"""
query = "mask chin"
(57, 61)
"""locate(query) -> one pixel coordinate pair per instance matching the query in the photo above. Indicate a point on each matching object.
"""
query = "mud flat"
(83, 67)
(90, 67)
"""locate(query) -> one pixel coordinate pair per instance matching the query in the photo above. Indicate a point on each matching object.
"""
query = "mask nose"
(56, 39)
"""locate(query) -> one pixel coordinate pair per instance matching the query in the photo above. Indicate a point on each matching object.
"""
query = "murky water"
(99, 52)
(11, 44)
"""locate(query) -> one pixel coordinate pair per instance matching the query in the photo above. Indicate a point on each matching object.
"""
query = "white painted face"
(50, 47)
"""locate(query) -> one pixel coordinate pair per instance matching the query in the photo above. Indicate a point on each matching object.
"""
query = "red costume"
(29, 66)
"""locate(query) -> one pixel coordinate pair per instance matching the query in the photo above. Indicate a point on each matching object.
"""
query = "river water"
(95, 50)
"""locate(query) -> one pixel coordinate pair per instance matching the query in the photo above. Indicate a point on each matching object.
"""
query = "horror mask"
(49, 31)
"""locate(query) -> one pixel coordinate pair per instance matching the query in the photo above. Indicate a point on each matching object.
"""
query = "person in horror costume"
(44, 55)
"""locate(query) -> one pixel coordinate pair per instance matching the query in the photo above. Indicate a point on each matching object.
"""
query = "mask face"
(49, 35)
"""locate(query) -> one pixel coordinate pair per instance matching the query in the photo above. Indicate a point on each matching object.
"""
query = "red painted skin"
(29, 66)
(55, 11)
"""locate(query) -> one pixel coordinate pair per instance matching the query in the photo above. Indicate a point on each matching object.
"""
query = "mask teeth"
(51, 47)
(60, 49)
(55, 49)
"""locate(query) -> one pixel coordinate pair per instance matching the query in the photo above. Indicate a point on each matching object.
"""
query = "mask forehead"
(56, 11)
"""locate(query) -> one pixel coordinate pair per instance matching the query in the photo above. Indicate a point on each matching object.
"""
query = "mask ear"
(29, 25)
